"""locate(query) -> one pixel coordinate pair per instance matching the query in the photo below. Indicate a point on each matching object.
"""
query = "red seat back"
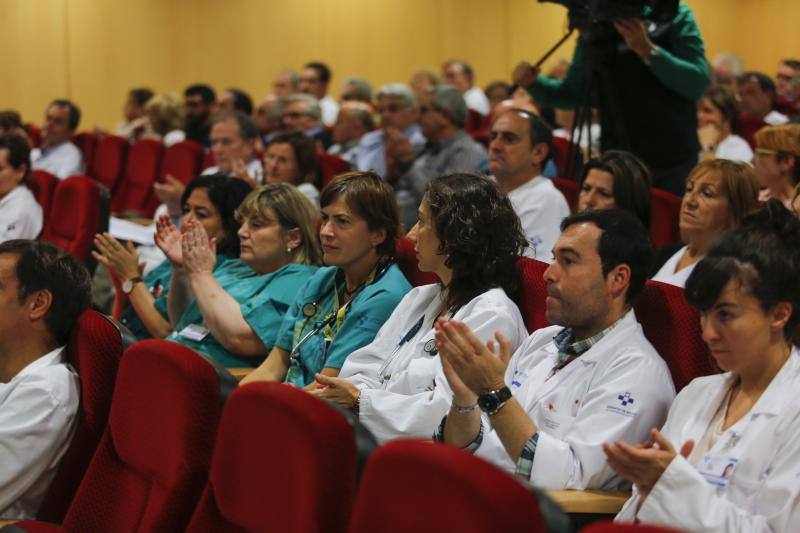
(474, 121)
(43, 185)
(673, 327)
(74, 216)
(532, 292)
(151, 465)
(420, 486)
(296, 473)
(747, 126)
(86, 142)
(182, 161)
(406, 259)
(569, 189)
(35, 135)
(665, 210)
(561, 153)
(208, 160)
(611, 527)
(134, 191)
(109, 160)
(331, 166)
(94, 350)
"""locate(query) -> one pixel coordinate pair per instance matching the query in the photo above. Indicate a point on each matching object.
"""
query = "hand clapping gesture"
(199, 253)
(169, 240)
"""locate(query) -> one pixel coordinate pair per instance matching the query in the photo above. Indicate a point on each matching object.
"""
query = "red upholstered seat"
(561, 154)
(665, 209)
(152, 462)
(75, 216)
(611, 527)
(208, 160)
(34, 134)
(182, 161)
(406, 259)
(94, 350)
(421, 486)
(86, 142)
(475, 121)
(532, 292)
(673, 328)
(569, 189)
(746, 127)
(295, 473)
(134, 191)
(109, 160)
(331, 166)
(43, 185)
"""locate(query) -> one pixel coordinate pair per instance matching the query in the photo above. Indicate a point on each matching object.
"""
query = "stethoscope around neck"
(429, 348)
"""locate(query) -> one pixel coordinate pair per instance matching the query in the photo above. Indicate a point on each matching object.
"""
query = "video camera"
(587, 15)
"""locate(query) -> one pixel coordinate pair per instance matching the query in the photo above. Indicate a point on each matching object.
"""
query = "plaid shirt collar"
(566, 346)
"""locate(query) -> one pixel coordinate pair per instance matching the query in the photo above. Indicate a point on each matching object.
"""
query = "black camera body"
(587, 15)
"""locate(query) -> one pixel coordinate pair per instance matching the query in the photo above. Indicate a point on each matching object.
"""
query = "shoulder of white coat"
(532, 346)
(631, 348)
(494, 301)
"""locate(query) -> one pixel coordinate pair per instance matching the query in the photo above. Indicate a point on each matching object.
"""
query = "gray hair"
(361, 112)
(363, 90)
(731, 59)
(294, 77)
(449, 99)
(247, 126)
(398, 90)
(312, 104)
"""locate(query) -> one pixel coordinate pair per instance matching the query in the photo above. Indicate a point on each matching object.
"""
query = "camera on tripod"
(588, 15)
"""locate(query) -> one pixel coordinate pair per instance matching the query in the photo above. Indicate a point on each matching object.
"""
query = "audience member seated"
(423, 80)
(716, 118)
(496, 92)
(353, 122)
(268, 117)
(237, 312)
(301, 112)
(591, 378)
(285, 82)
(165, 119)
(460, 75)
(616, 179)
(57, 155)
(20, 214)
(449, 148)
(199, 103)
(726, 67)
(233, 142)
(520, 144)
(43, 290)
(399, 133)
(777, 162)
(11, 122)
(788, 69)
(397, 386)
(314, 81)
(727, 457)
(343, 305)
(134, 112)
(291, 157)
(356, 90)
(756, 93)
(209, 200)
(233, 100)
(719, 194)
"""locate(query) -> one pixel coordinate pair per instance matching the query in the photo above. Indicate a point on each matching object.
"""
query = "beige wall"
(94, 50)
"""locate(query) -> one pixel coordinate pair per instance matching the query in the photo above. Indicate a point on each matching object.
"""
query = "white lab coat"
(412, 402)
(540, 208)
(20, 215)
(764, 491)
(584, 405)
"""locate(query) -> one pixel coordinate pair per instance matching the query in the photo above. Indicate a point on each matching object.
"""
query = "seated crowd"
(272, 265)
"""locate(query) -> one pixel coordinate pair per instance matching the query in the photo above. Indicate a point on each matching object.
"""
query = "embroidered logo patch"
(625, 406)
(625, 399)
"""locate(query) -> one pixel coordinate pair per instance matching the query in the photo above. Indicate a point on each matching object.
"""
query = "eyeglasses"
(294, 115)
(390, 108)
(766, 151)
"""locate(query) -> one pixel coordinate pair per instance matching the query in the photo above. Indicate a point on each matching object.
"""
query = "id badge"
(194, 332)
(717, 469)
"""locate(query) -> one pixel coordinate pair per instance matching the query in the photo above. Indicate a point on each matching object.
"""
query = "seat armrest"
(590, 501)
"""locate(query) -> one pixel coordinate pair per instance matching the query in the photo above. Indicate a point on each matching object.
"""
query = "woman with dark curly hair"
(396, 383)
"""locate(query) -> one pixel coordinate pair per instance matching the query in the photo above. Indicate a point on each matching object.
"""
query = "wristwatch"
(128, 285)
(492, 401)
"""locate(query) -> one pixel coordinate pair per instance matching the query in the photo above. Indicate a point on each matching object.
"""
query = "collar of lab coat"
(50, 358)
(773, 399)
(622, 328)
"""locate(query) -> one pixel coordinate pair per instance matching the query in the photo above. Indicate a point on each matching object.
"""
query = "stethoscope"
(429, 348)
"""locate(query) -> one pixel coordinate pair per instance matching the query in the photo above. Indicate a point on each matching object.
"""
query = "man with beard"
(199, 101)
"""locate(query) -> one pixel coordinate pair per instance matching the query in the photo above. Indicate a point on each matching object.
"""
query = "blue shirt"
(364, 317)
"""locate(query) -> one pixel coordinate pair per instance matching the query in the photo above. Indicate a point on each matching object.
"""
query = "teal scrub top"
(364, 317)
(263, 301)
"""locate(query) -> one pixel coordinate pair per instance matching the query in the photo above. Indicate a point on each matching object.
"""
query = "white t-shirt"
(540, 208)
(776, 118)
(667, 273)
(254, 168)
(734, 148)
(38, 409)
(311, 192)
(62, 160)
(477, 101)
(330, 110)
(20, 215)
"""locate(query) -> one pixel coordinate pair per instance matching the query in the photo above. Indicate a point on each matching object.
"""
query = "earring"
(288, 249)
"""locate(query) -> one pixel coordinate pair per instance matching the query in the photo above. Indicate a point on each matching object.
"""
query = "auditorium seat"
(182, 161)
(134, 190)
(406, 259)
(561, 155)
(673, 327)
(746, 127)
(420, 486)
(34, 134)
(331, 166)
(95, 347)
(75, 216)
(208, 160)
(532, 292)
(611, 527)
(86, 142)
(43, 186)
(109, 160)
(152, 462)
(474, 121)
(665, 210)
(570, 191)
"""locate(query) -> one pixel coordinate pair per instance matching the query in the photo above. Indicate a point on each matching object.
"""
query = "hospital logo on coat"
(624, 406)
(625, 399)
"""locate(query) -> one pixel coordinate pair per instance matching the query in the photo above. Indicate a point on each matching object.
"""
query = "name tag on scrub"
(717, 469)
(194, 332)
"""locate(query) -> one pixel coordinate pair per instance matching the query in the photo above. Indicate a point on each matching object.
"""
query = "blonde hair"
(292, 210)
(784, 139)
(739, 183)
(167, 107)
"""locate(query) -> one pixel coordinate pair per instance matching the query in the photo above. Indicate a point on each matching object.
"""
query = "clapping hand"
(199, 253)
(121, 261)
(168, 239)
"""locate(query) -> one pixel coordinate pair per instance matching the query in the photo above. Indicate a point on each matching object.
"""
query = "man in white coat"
(569, 388)
(20, 214)
(520, 145)
(42, 291)
(58, 155)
